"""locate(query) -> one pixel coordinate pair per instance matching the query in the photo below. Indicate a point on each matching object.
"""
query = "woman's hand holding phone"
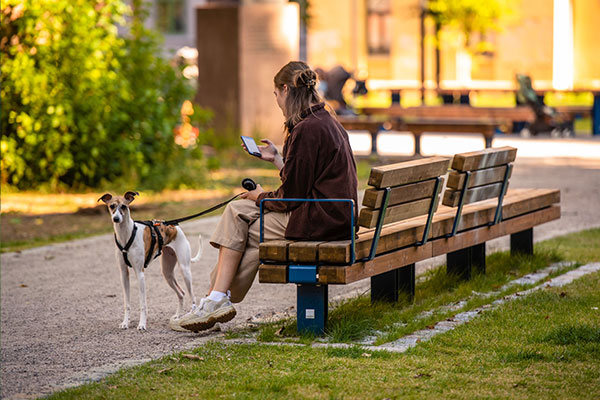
(268, 152)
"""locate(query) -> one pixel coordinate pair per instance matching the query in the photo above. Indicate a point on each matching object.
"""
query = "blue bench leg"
(311, 308)
(385, 287)
(522, 242)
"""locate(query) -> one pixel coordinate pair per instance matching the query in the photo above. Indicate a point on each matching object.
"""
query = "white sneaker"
(207, 314)
(174, 321)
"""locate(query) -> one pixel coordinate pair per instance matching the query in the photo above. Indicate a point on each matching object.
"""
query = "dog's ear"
(106, 197)
(130, 196)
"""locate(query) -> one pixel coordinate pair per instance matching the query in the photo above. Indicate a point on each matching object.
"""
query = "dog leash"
(247, 184)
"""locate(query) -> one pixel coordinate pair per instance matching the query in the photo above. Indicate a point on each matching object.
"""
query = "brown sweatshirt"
(318, 164)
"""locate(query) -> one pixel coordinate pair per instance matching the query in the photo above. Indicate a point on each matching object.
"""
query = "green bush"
(88, 101)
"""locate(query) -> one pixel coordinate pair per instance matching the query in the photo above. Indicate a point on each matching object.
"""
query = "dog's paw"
(142, 327)
(124, 325)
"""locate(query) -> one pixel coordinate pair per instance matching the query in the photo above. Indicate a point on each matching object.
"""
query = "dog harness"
(125, 249)
(155, 237)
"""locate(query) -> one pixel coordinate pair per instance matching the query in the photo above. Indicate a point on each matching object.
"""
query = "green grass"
(353, 319)
(545, 345)
(583, 247)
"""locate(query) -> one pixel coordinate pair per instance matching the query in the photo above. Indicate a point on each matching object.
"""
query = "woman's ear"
(285, 88)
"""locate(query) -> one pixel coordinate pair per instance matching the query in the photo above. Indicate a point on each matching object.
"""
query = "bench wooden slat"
(481, 159)
(452, 197)
(400, 194)
(274, 250)
(481, 177)
(480, 235)
(368, 217)
(331, 274)
(304, 251)
(384, 263)
(268, 273)
(405, 233)
(408, 172)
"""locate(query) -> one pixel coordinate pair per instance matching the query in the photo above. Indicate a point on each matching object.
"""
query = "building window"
(379, 24)
(170, 16)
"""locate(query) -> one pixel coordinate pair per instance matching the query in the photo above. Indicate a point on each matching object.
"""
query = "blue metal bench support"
(311, 306)
(522, 242)
(434, 199)
(461, 202)
(386, 287)
(498, 214)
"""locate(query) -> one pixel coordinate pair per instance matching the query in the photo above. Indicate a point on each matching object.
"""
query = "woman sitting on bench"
(317, 163)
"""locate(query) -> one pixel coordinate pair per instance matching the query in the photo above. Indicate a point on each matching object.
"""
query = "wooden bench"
(402, 223)
(454, 111)
(418, 126)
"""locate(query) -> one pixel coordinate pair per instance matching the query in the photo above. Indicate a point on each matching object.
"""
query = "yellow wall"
(337, 35)
(586, 35)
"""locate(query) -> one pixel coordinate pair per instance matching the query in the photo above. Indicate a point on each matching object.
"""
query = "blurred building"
(554, 41)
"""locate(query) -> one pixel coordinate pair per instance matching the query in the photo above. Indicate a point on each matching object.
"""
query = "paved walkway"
(61, 304)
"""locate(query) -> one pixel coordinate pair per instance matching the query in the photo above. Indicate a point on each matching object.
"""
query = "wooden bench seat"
(477, 207)
(517, 203)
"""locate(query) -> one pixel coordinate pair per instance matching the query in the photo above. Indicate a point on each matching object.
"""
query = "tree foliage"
(86, 98)
(470, 16)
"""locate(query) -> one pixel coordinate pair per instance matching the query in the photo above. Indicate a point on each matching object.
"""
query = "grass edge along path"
(541, 345)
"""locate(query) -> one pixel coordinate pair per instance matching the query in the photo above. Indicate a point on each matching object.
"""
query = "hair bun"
(306, 77)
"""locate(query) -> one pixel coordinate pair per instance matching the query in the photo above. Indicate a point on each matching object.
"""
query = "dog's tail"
(199, 254)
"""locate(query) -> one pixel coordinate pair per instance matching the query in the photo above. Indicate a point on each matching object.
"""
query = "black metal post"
(478, 257)
(385, 287)
(522, 242)
(459, 263)
(406, 280)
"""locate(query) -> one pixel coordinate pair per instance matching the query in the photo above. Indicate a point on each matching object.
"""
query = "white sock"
(216, 296)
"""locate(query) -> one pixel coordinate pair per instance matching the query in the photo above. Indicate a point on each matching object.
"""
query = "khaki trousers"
(239, 229)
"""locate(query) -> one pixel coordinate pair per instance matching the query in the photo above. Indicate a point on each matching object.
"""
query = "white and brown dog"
(138, 243)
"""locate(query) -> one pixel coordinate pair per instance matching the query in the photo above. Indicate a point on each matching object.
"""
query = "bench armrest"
(349, 201)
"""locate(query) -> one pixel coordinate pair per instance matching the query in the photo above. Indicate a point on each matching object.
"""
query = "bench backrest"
(412, 185)
(487, 169)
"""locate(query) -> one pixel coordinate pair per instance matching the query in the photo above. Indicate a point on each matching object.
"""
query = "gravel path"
(62, 305)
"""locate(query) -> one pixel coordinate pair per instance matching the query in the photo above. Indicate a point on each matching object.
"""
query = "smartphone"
(251, 146)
